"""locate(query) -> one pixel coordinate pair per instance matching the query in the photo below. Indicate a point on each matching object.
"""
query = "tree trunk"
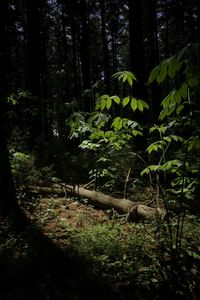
(85, 55)
(8, 202)
(198, 21)
(105, 47)
(138, 61)
(76, 74)
(137, 51)
(153, 58)
(33, 27)
(6, 183)
(135, 211)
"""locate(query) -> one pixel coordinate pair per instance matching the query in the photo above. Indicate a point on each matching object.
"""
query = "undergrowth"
(135, 260)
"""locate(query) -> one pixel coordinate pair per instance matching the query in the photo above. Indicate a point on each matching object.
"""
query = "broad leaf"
(163, 72)
(134, 104)
(153, 74)
(116, 99)
(140, 105)
(125, 101)
(108, 103)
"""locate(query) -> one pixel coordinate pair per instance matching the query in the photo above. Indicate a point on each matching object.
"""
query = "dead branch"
(136, 211)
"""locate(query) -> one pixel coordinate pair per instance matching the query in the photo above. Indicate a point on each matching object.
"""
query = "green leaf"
(168, 99)
(145, 104)
(193, 82)
(20, 156)
(169, 104)
(105, 101)
(131, 75)
(171, 165)
(152, 129)
(116, 99)
(93, 116)
(140, 105)
(86, 144)
(182, 52)
(125, 101)
(117, 123)
(183, 90)
(134, 124)
(151, 168)
(179, 109)
(163, 72)
(134, 104)
(177, 138)
(162, 114)
(98, 104)
(103, 104)
(101, 120)
(124, 122)
(154, 74)
(167, 138)
(12, 99)
(97, 134)
(171, 67)
(108, 103)
(125, 76)
(193, 254)
(158, 145)
(193, 143)
(130, 81)
(177, 97)
(145, 171)
(162, 128)
(136, 132)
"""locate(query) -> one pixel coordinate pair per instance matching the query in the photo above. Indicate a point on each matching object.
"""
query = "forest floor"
(71, 250)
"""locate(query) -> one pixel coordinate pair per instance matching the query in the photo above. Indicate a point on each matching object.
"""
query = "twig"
(126, 182)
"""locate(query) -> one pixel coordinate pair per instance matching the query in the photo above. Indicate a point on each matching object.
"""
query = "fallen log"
(135, 211)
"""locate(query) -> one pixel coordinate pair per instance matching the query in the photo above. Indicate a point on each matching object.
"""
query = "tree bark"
(135, 211)
(8, 201)
(153, 58)
(105, 47)
(85, 55)
(34, 72)
(137, 51)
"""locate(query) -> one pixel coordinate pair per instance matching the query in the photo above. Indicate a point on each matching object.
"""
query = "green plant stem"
(180, 221)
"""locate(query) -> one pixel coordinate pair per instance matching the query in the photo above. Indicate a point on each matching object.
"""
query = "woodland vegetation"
(99, 149)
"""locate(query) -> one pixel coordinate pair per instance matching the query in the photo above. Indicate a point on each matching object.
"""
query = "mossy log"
(136, 211)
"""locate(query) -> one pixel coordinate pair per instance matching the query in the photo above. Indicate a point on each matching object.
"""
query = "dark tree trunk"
(137, 52)
(33, 22)
(76, 78)
(105, 47)
(114, 30)
(198, 20)
(167, 28)
(8, 202)
(34, 46)
(137, 59)
(153, 58)
(85, 55)
(135, 211)
(179, 23)
(46, 122)
(153, 34)
(64, 42)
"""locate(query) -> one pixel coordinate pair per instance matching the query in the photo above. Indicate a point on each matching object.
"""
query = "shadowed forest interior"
(99, 149)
